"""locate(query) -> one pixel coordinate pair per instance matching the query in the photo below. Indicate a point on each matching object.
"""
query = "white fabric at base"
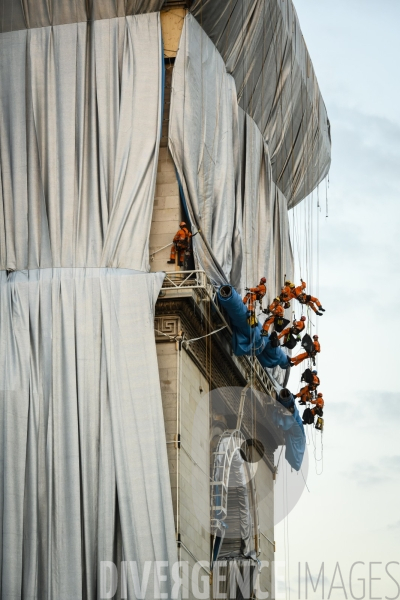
(80, 121)
(83, 459)
(83, 452)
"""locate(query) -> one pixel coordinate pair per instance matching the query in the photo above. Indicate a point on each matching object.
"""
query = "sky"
(351, 512)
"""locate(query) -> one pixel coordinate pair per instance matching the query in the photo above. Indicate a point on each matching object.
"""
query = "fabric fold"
(80, 133)
(83, 461)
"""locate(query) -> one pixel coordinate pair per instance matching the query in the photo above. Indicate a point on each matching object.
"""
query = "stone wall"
(186, 412)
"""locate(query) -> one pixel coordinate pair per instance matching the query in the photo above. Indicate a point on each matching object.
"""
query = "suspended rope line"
(204, 336)
(171, 337)
(159, 250)
(305, 482)
(327, 186)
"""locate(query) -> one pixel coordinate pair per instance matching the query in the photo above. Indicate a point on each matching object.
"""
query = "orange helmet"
(302, 318)
(263, 280)
(320, 394)
(182, 224)
(315, 337)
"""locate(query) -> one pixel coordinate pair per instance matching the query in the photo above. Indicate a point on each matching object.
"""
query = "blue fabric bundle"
(247, 340)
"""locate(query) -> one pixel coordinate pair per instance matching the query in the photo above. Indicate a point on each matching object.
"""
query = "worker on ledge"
(294, 330)
(254, 294)
(299, 294)
(181, 244)
(276, 310)
(314, 350)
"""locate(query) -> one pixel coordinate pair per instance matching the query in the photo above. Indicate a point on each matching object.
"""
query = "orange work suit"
(295, 329)
(316, 381)
(318, 402)
(299, 359)
(180, 245)
(274, 304)
(304, 394)
(309, 301)
(286, 294)
(296, 360)
(295, 292)
(254, 294)
(276, 312)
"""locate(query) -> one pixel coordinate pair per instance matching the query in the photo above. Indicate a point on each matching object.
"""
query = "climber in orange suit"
(299, 294)
(300, 357)
(276, 311)
(296, 291)
(275, 302)
(309, 413)
(254, 294)
(296, 360)
(295, 329)
(304, 394)
(316, 380)
(319, 401)
(181, 243)
(317, 345)
(286, 293)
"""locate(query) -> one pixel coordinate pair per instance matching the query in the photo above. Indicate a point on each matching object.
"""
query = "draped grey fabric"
(224, 166)
(83, 466)
(80, 113)
(83, 460)
(263, 48)
(284, 263)
(28, 14)
(204, 142)
(258, 192)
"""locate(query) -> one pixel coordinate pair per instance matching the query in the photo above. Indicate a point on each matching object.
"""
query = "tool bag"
(308, 344)
(308, 377)
(291, 342)
(280, 323)
(252, 320)
(308, 417)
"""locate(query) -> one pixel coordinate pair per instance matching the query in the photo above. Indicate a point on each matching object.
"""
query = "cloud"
(386, 404)
(366, 474)
(394, 525)
(383, 470)
(394, 462)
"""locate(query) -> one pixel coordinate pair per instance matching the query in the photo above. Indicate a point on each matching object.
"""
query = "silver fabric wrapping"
(284, 263)
(224, 166)
(83, 464)
(80, 111)
(258, 191)
(28, 14)
(204, 142)
(263, 48)
(83, 460)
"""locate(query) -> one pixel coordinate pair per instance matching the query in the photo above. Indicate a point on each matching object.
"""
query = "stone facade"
(187, 374)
